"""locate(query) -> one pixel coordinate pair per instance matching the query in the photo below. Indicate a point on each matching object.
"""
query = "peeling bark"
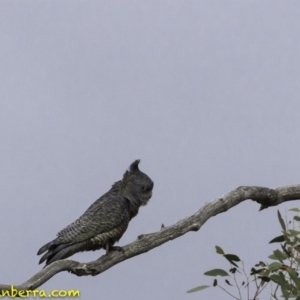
(144, 243)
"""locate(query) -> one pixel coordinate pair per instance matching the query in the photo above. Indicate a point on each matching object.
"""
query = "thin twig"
(236, 284)
(247, 280)
(227, 292)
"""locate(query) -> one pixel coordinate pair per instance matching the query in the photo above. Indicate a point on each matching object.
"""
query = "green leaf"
(233, 263)
(281, 221)
(281, 275)
(198, 288)
(295, 241)
(274, 266)
(219, 250)
(297, 218)
(287, 251)
(295, 209)
(272, 256)
(216, 272)
(280, 255)
(294, 277)
(227, 281)
(278, 239)
(294, 232)
(297, 260)
(232, 257)
(278, 279)
(285, 293)
(215, 283)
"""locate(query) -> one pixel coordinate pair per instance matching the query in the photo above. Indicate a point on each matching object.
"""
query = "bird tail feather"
(44, 248)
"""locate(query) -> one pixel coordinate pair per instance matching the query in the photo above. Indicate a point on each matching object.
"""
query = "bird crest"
(134, 166)
(131, 173)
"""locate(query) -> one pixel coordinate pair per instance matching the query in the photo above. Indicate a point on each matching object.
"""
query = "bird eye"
(146, 188)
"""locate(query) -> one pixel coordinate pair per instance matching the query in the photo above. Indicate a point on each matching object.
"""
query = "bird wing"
(105, 214)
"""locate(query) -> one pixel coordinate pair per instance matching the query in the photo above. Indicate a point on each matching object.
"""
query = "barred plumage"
(105, 221)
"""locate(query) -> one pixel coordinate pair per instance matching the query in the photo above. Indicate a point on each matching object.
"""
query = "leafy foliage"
(280, 275)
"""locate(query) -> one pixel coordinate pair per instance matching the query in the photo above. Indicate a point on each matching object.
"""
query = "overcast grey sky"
(205, 93)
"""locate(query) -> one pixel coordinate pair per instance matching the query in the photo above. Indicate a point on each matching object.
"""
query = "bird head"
(136, 185)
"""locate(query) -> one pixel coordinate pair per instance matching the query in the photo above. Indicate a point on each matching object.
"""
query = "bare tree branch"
(264, 196)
